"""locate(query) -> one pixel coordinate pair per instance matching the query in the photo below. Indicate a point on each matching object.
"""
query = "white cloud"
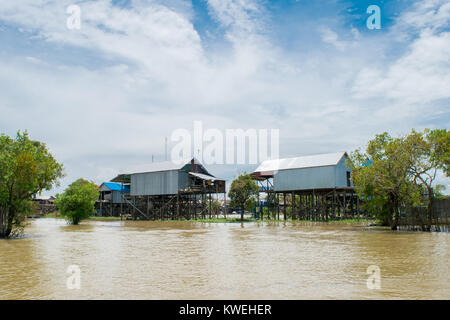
(426, 14)
(331, 37)
(243, 18)
(156, 76)
(422, 74)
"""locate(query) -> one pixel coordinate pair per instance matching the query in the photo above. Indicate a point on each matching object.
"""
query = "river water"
(177, 260)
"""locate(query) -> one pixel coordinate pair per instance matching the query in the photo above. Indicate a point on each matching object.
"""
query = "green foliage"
(216, 206)
(396, 172)
(439, 140)
(26, 169)
(437, 191)
(78, 200)
(243, 192)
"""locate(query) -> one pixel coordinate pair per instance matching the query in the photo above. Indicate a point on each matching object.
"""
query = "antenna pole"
(166, 148)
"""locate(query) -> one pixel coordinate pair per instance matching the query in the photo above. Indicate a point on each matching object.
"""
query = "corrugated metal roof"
(319, 160)
(117, 187)
(113, 186)
(204, 176)
(45, 198)
(161, 166)
(124, 178)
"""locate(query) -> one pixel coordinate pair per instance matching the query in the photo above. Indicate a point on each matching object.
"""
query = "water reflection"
(173, 260)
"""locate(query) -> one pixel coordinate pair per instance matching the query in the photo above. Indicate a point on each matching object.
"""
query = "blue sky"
(291, 25)
(104, 97)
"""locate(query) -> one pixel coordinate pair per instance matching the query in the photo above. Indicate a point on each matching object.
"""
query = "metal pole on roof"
(166, 147)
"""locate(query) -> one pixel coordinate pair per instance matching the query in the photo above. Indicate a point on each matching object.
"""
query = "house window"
(349, 179)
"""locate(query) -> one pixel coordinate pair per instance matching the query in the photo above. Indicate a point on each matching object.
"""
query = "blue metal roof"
(113, 186)
(117, 187)
(368, 163)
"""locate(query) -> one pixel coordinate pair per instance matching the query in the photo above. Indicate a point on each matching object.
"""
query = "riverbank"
(252, 220)
(56, 215)
(229, 219)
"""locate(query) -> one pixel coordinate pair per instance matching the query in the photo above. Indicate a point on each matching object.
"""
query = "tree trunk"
(384, 216)
(393, 209)
(429, 214)
(5, 222)
(11, 216)
(2, 222)
(395, 223)
(389, 213)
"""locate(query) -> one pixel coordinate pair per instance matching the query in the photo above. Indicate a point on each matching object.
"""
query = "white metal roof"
(44, 198)
(319, 160)
(204, 176)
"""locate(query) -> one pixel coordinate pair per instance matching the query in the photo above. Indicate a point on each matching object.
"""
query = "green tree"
(78, 200)
(379, 177)
(243, 193)
(427, 152)
(394, 172)
(216, 206)
(26, 168)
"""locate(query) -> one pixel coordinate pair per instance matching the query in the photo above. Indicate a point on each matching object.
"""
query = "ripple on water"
(172, 260)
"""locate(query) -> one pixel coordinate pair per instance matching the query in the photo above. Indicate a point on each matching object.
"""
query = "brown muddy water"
(175, 260)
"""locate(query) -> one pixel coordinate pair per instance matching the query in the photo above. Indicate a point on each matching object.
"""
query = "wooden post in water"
(259, 203)
(345, 204)
(301, 207)
(194, 206)
(269, 200)
(333, 209)
(217, 199)
(161, 209)
(133, 213)
(189, 205)
(225, 204)
(278, 206)
(210, 205)
(178, 205)
(293, 205)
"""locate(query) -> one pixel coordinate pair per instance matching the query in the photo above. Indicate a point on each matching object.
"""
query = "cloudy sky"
(105, 96)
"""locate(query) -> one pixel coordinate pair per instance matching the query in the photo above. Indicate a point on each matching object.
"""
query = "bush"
(77, 201)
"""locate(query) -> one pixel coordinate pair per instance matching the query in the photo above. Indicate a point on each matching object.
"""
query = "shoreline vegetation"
(370, 221)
